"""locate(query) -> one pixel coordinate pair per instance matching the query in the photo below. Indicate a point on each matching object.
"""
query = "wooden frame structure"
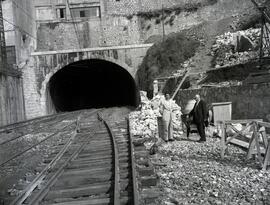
(265, 31)
(252, 137)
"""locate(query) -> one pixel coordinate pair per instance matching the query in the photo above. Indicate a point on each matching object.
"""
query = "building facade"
(19, 43)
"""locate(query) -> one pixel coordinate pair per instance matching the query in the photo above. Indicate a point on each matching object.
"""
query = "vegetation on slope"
(165, 57)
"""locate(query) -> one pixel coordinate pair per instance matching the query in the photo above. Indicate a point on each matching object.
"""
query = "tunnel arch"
(91, 83)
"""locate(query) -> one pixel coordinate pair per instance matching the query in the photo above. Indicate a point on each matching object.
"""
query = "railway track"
(95, 165)
(33, 122)
(32, 126)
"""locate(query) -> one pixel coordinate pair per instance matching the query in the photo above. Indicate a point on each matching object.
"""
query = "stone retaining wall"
(248, 102)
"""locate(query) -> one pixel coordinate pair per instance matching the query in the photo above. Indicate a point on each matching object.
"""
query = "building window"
(82, 13)
(61, 13)
(86, 12)
(11, 55)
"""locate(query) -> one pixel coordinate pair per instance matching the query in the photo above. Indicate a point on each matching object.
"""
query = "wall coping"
(135, 46)
(232, 86)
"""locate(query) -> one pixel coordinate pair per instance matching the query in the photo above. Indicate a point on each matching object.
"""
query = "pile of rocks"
(144, 122)
(236, 48)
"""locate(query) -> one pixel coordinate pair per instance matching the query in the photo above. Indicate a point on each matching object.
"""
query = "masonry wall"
(135, 21)
(114, 31)
(41, 68)
(248, 102)
(31, 88)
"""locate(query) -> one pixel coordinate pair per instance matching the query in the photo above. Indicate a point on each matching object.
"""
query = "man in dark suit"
(199, 113)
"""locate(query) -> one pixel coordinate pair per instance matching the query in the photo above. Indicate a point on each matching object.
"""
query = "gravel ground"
(17, 173)
(194, 173)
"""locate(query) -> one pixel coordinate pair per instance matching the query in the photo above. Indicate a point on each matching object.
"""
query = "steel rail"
(31, 147)
(43, 192)
(117, 188)
(38, 180)
(15, 138)
(133, 167)
(28, 122)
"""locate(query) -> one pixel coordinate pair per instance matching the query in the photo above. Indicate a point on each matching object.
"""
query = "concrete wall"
(9, 29)
(19, 32)
(22, 36)
(26, 33)
(248, 102)
(11, 98)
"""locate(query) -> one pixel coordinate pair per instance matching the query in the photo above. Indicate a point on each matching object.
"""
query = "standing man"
(155, 88)
(199, 114)
(166, 108)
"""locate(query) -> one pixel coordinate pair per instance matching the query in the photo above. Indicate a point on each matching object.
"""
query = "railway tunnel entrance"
(91, 84)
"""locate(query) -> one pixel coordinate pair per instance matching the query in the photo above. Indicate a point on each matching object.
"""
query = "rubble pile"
(194, 173)
(236, 48)
(144, 122)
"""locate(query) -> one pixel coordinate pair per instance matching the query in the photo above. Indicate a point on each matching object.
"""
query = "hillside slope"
(204, 33)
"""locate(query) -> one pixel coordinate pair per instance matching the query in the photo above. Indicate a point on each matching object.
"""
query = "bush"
(164, 58)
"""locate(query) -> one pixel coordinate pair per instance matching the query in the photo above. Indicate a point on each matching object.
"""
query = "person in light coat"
(166, 109)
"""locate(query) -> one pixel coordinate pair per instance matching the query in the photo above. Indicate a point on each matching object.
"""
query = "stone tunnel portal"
(91, 84)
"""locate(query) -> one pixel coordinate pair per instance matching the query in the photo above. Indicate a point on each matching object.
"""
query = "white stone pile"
(144, 122)
(226, 45)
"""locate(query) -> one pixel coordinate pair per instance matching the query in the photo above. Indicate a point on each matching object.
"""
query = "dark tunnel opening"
(92, 84)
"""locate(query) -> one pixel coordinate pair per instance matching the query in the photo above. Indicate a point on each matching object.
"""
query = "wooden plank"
(222, 103)
(90, 189)
(251, 145)
(240, 143)
(85, 202)
(244, 121)
(258, 145)
(264, 124)
(223, 140)
(181, 83)
(265, 139)
(266, 157)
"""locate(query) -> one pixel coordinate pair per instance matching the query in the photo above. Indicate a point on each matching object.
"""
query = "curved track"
(94, 166)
